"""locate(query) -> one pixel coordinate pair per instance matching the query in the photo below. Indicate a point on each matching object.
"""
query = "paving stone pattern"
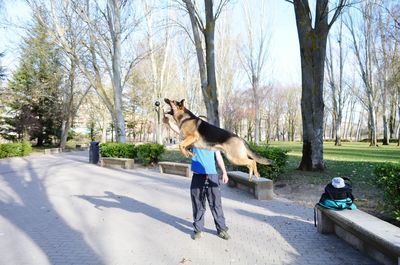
(59, 209)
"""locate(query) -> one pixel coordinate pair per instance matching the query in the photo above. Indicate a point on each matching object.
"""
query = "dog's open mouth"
(170, 111)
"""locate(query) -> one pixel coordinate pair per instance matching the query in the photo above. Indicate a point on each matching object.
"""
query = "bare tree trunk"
(364, 59)
(312, 45)
(350, 122)
(211, 92)
(383, 76)
(206, 63)
(256, 110)
(336, 89)
(114, 22)
(312, 40)
(392, 118)
(398, 111)
(158, 72)
(254, 56)
(338, 140)
(68, 105)
(358, 131)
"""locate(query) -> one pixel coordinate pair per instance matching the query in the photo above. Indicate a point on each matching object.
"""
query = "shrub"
(388, 179)
(15, 149)
(26, 148)
(277, 155)
(150, 153)
(118, 150)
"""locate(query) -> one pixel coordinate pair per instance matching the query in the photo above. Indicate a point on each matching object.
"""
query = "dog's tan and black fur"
(199, 133)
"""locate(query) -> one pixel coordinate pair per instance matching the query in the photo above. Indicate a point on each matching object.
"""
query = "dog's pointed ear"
(166, 100)
(182, 101)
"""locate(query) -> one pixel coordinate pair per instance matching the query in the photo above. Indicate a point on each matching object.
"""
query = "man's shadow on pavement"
(112, 200)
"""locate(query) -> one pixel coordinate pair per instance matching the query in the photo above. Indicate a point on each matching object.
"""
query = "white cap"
(338, 182)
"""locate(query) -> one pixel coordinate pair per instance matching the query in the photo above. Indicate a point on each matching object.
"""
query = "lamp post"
(158, 129)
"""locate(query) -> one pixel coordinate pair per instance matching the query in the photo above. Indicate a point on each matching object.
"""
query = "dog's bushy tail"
(257, 158)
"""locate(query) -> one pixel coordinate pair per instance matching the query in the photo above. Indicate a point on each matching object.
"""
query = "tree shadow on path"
(112, 200)
(308, 243)
(34, 215)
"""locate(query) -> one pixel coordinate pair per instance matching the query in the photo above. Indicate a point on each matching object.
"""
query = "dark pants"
(206, 186)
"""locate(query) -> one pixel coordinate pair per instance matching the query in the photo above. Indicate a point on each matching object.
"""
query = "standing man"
(205, 185)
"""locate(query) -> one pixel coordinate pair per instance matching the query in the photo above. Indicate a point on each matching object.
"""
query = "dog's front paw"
(185, 153)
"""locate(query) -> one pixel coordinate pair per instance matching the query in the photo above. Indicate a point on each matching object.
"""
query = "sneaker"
(223, 234)
(198, 235)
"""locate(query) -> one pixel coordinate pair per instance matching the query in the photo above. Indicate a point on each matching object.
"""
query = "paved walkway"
(59, 209)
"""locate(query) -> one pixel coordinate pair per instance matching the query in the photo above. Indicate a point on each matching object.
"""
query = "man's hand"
(165, 120)
(224, 178)
(221, 165)
(171, 125)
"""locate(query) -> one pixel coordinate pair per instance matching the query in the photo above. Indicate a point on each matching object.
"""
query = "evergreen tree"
(35, 101)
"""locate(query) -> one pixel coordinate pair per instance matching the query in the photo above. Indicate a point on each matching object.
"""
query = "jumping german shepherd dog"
(199, 133)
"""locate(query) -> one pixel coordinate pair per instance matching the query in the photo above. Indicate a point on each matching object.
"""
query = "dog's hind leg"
(255, 169)
(252, 166)
(244, 161)
(236, 152)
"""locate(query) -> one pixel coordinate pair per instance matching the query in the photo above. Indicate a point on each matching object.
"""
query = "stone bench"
(262, 188)
(126, 163)
(373, 236)
(49, 151)
(81, 147)
(181, 169)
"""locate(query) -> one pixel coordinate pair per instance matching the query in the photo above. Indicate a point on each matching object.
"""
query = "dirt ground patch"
(301, 191)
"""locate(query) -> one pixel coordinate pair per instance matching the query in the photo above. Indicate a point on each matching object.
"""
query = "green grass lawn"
(354, 160)
(348, 159)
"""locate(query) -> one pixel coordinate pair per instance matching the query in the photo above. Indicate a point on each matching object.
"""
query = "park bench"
(49, 151)
(81, 147)
(181, 169)
(126, 163)
(262, 188)
(373, 236)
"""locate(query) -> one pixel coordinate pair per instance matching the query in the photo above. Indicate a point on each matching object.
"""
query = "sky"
(284, 45)
(283, 68)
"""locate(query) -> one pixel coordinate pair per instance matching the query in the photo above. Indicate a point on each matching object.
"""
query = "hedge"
(150, 153)
(388, 180)
(119, 150)
(15, 149)
(277, 155)
(146, 153)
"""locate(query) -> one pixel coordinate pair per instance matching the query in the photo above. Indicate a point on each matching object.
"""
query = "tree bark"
(206, 63)
(364, 60)
(68, 105)
(398, 111)
(114, 8)
(312, 52)
(256, 109)
(211, 91)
